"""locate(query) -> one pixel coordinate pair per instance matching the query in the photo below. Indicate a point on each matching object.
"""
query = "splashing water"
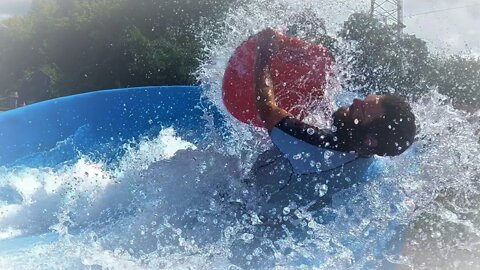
(439, 182)
(173, 204)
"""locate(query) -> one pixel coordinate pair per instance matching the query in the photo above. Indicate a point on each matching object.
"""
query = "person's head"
(381, 125)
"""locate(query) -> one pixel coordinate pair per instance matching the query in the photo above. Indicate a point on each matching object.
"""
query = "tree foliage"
(458, 77)
(383, 61)
(85, 45)
(376, 58)
(63, 47)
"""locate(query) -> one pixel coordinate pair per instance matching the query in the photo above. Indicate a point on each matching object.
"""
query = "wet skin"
(364, 110)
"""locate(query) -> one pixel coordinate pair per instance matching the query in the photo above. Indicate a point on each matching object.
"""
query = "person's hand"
(269, 40)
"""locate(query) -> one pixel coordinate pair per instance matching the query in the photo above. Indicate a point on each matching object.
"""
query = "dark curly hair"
(395, 132)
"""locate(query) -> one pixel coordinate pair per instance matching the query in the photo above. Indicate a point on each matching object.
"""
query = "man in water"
(310, 164)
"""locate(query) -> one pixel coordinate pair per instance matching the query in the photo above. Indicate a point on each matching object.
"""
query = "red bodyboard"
(299, 71)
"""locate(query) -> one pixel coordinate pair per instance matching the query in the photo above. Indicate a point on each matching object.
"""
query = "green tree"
(97, 44)
(458, 77)
(383, 61)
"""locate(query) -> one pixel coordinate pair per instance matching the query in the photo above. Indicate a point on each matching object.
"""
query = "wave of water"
(172, 204)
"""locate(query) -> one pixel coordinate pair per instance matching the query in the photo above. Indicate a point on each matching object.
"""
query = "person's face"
(362, 112)
(351, 121)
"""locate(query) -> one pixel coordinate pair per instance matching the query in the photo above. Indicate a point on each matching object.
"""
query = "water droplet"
(247, 237)
(327, 155)
(229, 232)
(257, 251)
(321, 189)
(286, 210)
(310, 131)
(436, 235)
(356, 121)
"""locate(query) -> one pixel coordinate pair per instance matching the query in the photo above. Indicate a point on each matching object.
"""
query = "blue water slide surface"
(109, 117)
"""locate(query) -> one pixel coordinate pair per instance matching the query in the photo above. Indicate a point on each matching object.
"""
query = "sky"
(456, 30)
(10, 8)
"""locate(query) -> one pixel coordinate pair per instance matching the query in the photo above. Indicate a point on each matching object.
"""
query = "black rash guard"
(324, 138)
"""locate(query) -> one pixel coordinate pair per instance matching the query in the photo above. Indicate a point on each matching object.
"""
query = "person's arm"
(268, 42)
